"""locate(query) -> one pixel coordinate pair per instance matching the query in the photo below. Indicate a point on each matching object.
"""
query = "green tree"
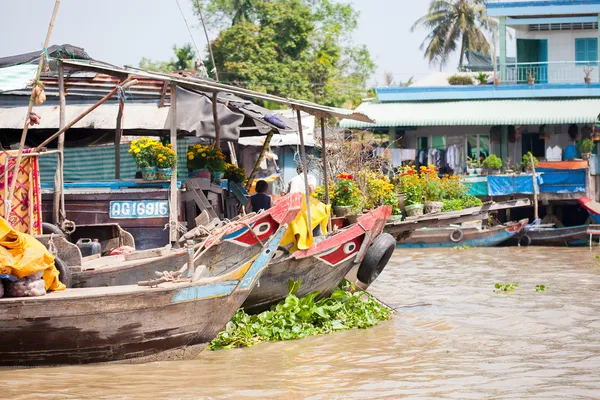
(291, 48)
(184, 59)
(453, 23)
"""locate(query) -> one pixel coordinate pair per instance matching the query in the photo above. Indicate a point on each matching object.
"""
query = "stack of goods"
(31, 285)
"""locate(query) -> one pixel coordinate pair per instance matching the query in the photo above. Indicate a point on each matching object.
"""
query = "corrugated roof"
(480, 112)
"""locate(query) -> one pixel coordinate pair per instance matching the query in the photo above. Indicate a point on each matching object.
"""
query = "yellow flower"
(136, 150)
(203, 154)
(190, 157)
(134, 142)
(169, 145)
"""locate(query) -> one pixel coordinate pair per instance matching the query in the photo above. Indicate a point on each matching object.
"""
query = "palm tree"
(451, 22)
(242, 10)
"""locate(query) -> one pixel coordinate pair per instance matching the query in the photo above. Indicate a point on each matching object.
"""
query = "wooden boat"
(548, 235)
(172, 321)
(592, 207)
(322, 267)
(459, 236)
(223, 251)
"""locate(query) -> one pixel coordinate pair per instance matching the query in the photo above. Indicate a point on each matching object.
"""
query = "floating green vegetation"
(465, 247)
(295, 318)
(597, 265)
(540, 288)
(505, 287)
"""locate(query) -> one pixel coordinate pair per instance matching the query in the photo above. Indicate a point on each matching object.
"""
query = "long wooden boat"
(459, 236)
(592, 207)
(171, 321)
(322, 267)
(222, 251)
(552, 236)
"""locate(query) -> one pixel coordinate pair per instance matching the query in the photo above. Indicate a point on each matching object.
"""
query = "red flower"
(345, 189)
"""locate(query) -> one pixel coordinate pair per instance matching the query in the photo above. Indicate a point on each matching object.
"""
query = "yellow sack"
(22, 255)
(298, 232)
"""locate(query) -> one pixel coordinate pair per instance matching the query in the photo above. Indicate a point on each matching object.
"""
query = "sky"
(121, 32)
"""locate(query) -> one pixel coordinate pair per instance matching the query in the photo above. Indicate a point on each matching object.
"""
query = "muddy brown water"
(453, 338)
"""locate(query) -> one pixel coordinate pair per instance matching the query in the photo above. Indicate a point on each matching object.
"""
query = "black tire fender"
(525, 241)
(48, 229)
(376, 258)
(457, 235)
(64, 272)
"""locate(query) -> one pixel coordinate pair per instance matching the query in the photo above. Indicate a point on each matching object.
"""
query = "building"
(543, 95)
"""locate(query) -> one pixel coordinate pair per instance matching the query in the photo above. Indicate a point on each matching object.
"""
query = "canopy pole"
(217, 143)
(304, 170)
(325, 175)
(124, 85)
(59, 176)
(259, 160)
(13, 183)
(535, 189)
(118, 141)
(174, 190)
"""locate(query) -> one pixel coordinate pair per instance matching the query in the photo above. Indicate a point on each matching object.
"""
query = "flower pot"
(478, 171)
(149, 173)
(531, 80)
(492, 171)
(395, 218)
(352, 219)
(216, 176)
(414, 210)
(337, 223)
(200, 173)
(470, 171)
(496, 80)
(587, 80)
(585, 156)
(342, 211)
(433, 206)
(164, 174)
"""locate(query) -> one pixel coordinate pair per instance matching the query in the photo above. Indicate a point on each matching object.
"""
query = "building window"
(586, 51)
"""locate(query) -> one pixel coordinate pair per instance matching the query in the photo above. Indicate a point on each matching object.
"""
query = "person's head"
(481, 157)
(299, 169)
(261, 186)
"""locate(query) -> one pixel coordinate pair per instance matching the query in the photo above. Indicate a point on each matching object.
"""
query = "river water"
(452, 338)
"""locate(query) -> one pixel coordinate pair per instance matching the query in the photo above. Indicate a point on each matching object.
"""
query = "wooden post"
(13, 183)
(259, 159)
(535, 190)
(502, 32)
(304, 171)
(118, 142)
(59, 183)
(217, 143)
(125, 84)
(174, 190)
(325, 176)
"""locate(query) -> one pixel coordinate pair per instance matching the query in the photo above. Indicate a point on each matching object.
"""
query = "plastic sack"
(22, 255)
(31, 285)
(298, 232)
(122, 250)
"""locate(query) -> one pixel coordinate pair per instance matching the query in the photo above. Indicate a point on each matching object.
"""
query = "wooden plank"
(140, 255)
(173, 203)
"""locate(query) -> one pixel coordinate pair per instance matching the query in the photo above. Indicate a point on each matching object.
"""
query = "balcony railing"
(552, 72)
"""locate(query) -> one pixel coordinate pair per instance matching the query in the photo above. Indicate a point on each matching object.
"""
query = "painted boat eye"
(262, 228)
(349, 247)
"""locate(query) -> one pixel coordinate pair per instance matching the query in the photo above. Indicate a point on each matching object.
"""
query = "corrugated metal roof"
(481, 112)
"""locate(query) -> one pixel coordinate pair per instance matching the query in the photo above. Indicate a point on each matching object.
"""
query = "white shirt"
(296, 185)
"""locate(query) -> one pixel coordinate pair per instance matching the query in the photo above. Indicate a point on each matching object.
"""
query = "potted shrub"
(585, 147)
(482, 78)
(432, 189)
(588, 75)
(205, 159)
(347, 197)
(234, 174)
(530, 77)
(460, 80)
(412, 187)
(473, 166)
(142, 151)
(166, 160)
(492, 164)
(526, 161)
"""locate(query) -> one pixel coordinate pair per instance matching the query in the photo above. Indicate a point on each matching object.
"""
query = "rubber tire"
(65, 273)
(527, 241)
(48, 229)
(461, 235)
(377, 257)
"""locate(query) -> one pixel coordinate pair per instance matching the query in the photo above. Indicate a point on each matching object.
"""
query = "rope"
(121, 94)
(189, 30)
(51, 246)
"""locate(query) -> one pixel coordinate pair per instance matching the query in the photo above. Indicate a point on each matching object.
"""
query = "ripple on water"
(458, 339)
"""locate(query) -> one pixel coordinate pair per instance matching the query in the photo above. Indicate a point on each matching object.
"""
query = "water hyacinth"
(296, 318)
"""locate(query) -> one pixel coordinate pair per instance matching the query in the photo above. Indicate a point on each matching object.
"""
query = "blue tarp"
(563, 181)
(501, 185)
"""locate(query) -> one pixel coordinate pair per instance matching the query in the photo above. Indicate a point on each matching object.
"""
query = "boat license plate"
(139, 209)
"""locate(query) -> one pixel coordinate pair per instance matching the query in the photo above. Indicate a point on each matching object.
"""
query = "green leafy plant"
(526, 161)
(469, 201)
(346, 193)
(473, 162)
(585, 146)
(465, 247)
(540, 288)
(295, 318)
(492, 162)
(505, 287)
(482, 78)
(165, 156)
(452, 205)
(460, 80)
(142, 151)
(234, 174)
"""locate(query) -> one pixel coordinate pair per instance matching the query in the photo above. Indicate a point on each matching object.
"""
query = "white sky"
(121, 32)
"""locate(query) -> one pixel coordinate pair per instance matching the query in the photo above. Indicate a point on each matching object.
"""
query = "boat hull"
(568, 236)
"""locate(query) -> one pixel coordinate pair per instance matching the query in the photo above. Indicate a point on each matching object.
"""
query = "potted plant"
(482, 78)
(412, 187)
(530, 77)
(205, 159)
(432, 190)
(142, 151)
(585, 147)
(234, 174)
(526, 161)
(588, 74)
(473, 166)
(492, 164)
(347, 197)
(166, 160)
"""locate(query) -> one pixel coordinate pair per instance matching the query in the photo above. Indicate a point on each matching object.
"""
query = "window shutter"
(580, 49)
(592, 50)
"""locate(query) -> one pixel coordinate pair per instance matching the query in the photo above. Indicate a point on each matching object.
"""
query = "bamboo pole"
(59, 176)
(259, 159)
(325, 176)
(118, 142)
(173, 192)
(304, 171)
(13, 183)
(535, 190)
(124, 85)
(217, 143)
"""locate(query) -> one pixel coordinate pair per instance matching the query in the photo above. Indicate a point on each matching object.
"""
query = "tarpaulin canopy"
(565, 181)
(502, 185)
